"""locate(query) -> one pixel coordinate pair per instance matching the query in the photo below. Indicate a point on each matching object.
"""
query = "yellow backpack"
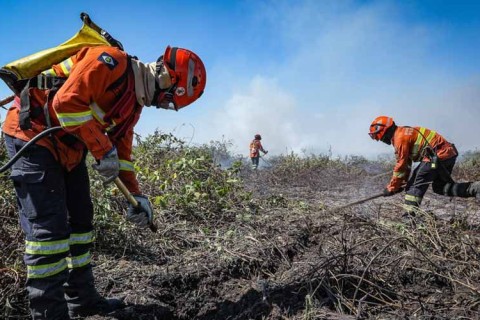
(17, 73)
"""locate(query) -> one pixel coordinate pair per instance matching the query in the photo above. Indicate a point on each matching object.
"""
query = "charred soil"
(283, 254)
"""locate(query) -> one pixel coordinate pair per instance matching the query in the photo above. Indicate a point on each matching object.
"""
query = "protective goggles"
(375, 129)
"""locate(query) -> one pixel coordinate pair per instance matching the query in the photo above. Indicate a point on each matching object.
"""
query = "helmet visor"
(191, 79)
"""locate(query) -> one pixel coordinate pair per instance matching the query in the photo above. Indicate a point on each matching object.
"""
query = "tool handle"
(131, 199)
(356, 202)
(7, 100)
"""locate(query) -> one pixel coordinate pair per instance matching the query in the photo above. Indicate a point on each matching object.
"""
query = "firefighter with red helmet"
(436, 157)
(96, 96)
(255, 148)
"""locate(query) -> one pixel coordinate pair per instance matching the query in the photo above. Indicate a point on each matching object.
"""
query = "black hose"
(29, 143)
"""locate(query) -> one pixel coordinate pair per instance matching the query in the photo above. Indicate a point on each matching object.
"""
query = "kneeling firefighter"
(437, 158)
(96, 96)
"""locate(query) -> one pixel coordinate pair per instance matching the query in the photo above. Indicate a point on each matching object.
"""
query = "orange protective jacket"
(255, 148)
(413, 144)
(97, 78)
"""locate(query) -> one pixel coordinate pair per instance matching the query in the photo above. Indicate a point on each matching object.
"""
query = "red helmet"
(258, 137)
(379, 126)
(188, 77)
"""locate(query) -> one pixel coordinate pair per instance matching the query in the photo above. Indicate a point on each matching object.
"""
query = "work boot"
(462, 189)
(82, 297)
(474, 190)
(46, 297)
(409, 217)
(101, 307)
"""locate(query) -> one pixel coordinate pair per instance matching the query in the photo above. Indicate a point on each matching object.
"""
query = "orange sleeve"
(87, 82)
(401, 170)
(260, 147)
(127, 170)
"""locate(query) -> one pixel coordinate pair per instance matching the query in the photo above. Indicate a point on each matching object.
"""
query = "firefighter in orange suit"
(436, 157)
(255, 148)
(96, 96)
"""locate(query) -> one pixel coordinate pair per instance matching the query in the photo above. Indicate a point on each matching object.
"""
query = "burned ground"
(276, 249)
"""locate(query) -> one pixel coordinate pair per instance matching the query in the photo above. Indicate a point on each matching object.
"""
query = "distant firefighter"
(255, 148)
(437, 158)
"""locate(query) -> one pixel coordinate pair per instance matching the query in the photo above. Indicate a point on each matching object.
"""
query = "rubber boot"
(474, 189)
(462, 189)
(46, 297)
(409, 216)
(82, 297)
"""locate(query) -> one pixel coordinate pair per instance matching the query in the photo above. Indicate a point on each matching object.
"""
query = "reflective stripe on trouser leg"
(412, 203)
(418, 184)
(45, 258)
(80, 289)
(45, 287)
(80, 210)
(80, 249)
(40, 189)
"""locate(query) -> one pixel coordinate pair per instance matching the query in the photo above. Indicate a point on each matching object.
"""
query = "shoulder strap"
(42, 82)
(126, 103)
(125, 96)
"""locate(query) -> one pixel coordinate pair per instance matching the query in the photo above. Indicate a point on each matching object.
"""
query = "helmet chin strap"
(163, 99)
(386, 140)
(387, 137)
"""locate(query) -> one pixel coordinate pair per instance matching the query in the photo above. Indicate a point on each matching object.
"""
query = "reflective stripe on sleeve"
(74, 119)
(99, 114)
(126, 165)
(46, 270)
(66, 66)
(50, 72)
(46, 247)
(399, 174)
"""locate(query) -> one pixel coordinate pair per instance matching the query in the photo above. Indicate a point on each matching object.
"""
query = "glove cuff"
(110, 152)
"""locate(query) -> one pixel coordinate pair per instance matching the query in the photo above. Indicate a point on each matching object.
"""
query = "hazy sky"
(307, 75)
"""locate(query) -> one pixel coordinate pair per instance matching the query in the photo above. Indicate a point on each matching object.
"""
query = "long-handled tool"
(6, 100)
(131, 199)
(356, 202)
(267, 162)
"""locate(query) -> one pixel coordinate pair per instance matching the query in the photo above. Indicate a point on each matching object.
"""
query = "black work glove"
(387, 193)
(142, 215)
